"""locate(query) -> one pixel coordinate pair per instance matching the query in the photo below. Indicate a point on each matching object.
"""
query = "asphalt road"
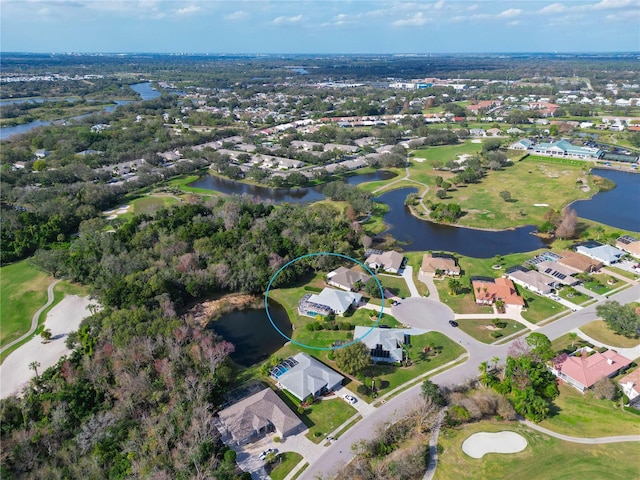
(432, 315)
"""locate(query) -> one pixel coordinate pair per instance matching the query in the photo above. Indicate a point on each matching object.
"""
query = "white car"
(349, 398)
(264, 454)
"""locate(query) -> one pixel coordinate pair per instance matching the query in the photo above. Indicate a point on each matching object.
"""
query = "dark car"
(453, 323)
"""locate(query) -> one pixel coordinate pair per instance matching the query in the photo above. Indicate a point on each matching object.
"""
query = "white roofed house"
(523, 144)
(303, 375)
(328, 301)
(384, 344)
(602, 253)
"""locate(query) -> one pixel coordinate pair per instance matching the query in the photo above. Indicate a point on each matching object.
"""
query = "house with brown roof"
(389, 261)
(629, 244)
(578, 262)
(347, 279)
(253, 417)
(434, 263)
(532, 280)
(488, 291)
(585, 367)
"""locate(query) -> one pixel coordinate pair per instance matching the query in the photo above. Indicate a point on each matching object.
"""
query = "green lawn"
(149, 204)
(598, 330)
(23, 291)
(539, 308)
(285, 462)
(477, 329)
(602, 284)
(444, 153)
(581, 415)
(577, 298)
(396, 286)
(566, 344)
(388, 377)
(545, 458)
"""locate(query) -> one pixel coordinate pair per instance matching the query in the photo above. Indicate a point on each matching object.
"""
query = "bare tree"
(568, 222)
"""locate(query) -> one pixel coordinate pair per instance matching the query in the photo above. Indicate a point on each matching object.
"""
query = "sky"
(319, 26)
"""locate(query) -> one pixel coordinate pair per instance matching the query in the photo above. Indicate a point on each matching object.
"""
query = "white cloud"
(190, 10)
(473, 7)
(514, 23)
(553, 8)
(512, 12)
(414, 21)
(282, 20)
(613, 4)
(439, 5)
(237, 15)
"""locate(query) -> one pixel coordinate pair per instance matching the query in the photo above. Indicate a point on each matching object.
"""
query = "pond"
(415, 234)
(618, 207)
(252, 334)
(291, 195)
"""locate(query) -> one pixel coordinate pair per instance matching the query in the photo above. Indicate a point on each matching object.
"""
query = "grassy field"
(285, 462)
(477, 329)
(182, 183)
(578, 298)
(581, 415)
(544, 458)
(598, 330)
(23, 290)
(150, 204)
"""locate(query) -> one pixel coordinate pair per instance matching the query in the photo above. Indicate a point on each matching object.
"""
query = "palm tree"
(573, 336)
(34, 366)
(484, 377)
(495, 361)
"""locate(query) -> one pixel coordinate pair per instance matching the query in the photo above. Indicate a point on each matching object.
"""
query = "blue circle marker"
(317, 254)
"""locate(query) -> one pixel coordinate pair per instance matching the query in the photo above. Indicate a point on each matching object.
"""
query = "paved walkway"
(34, 319)
(630, 353)
(590, 441)
(433, 447)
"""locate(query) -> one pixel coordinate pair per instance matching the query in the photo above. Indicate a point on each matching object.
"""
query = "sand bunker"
(64, 318)
(479, 444)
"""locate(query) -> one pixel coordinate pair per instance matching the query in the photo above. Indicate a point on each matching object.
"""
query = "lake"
(144, 89)
(291, 195)
(252, 334)
(619, 207)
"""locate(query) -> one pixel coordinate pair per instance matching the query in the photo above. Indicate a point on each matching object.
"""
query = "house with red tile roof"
(585, 367)
(488, 291)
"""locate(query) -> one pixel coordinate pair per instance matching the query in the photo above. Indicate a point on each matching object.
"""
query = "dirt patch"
(203, 313)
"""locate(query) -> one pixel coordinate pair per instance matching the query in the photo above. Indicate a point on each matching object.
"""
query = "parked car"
(349, 398)
(453, 323)
(264, 454)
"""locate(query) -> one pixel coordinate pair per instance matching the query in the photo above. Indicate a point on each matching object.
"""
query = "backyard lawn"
(545, 457)
(23, 291)
(598, 330)
(477, 329)
(581, 415)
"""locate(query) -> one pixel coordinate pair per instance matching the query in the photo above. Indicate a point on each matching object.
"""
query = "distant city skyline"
(319, 27)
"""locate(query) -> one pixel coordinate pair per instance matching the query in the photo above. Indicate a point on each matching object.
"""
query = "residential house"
(631, 385)
(432, 263)
(629, 244)
(560, 273)
(341, 148)
(347, 279)
(494, 132)
(303, 375)
(488, 291)
(523, 144)
(585, 367)
(384, 344)
(602, 253)
(254, 417)
(328, 301)
(389, 261)
(42, 153)
(307, 146)
(578, 262)
(477, 132)
(532, 280)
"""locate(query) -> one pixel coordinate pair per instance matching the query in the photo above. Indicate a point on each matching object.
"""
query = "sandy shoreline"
(64, 318)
